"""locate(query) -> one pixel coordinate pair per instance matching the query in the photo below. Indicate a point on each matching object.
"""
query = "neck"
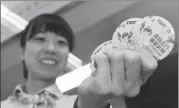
(34, 85)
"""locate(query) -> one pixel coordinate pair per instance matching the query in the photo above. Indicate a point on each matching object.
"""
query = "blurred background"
(93, 22)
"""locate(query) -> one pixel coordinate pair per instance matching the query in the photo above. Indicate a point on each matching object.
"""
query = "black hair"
(42, 23)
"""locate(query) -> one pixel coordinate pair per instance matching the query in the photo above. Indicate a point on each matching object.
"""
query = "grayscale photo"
(89, 54)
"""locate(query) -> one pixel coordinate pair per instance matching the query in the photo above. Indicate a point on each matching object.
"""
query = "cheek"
(30, 53)
(29, 59)
(64, 54)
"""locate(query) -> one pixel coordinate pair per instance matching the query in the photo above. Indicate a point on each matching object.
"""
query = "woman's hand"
(118, 74)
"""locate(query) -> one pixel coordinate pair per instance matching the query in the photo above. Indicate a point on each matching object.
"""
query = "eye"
(39, 39)
(62, 43)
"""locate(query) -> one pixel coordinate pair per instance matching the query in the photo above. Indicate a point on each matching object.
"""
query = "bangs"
(49, 26)
(45, 23)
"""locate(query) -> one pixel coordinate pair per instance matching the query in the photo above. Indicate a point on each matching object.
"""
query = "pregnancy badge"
(158, 36)
(127, 34)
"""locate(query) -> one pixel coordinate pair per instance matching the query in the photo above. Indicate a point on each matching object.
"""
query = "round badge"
(127, 34)
(168, 30)
(157, 37)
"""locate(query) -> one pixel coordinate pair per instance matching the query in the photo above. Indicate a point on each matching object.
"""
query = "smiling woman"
(44, 29)
(45, 44)
(45, 55)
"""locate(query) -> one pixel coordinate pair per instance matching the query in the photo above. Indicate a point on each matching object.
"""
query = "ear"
(22, 54)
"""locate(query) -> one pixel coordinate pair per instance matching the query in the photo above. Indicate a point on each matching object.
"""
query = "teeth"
(51, 62)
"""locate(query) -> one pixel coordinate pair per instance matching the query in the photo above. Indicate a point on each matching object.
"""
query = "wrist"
(84, 102)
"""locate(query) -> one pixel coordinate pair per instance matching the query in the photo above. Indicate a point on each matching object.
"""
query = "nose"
(51, 46)
(50, 49)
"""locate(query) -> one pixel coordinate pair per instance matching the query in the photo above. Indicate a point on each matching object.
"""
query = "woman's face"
(46, 55)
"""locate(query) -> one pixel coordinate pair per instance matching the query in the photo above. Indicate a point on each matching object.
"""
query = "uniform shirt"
(50, 97)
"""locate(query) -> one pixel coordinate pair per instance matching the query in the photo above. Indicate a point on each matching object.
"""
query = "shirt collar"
(52, 90)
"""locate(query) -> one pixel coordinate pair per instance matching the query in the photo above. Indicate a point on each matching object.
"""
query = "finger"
(116, 59)
(149, 64)
(102, 67)
(133, 72)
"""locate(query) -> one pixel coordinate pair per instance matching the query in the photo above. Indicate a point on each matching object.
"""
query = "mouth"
(49, 62)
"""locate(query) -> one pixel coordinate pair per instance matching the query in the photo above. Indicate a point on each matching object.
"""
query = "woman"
(45, 45)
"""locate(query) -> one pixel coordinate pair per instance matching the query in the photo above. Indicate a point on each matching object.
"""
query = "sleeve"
(161, 90)
(108, 105)
(66, 101)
